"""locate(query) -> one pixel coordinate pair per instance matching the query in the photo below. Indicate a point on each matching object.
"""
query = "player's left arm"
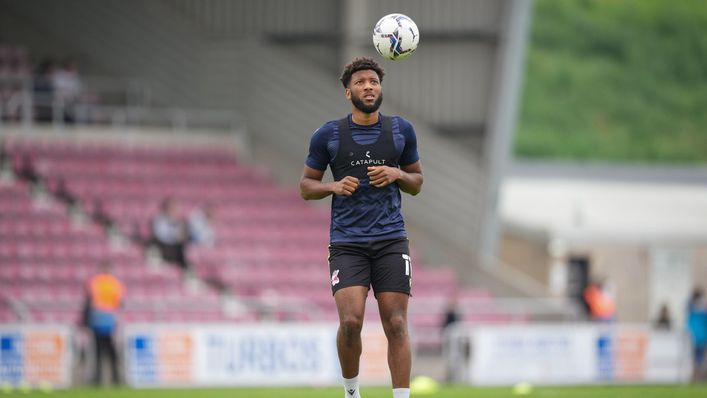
(409, 177)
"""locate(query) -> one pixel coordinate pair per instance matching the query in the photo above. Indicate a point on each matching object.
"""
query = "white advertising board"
(35, 355)
(254, 354)
(542, 354)
(569, 354)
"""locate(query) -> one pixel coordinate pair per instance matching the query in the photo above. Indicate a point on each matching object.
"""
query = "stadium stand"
(46, 257)
(267, 262)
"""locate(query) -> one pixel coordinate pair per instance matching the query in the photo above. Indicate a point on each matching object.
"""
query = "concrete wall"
(526, 252)
(448, 84)
(626, 266)
(626, 269)
(700, 271)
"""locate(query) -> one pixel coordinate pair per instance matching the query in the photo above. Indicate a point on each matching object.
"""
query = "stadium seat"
(271, 246)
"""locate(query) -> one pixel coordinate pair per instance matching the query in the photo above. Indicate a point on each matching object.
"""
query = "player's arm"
(311, 186)
(411, 179)
(408, 177)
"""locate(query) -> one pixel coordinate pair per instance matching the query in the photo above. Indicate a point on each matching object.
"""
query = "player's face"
(364, 91)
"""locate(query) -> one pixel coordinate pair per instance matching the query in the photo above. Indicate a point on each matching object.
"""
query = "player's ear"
(347, 93)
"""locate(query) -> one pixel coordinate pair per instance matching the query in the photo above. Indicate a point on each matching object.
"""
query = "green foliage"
(617, 80)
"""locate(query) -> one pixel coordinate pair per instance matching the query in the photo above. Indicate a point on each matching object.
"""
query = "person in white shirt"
(201, 230)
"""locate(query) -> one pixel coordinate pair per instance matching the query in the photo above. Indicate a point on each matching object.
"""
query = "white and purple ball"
(395, 36)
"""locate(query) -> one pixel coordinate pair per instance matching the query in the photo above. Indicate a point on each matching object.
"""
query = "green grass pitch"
(662, 391)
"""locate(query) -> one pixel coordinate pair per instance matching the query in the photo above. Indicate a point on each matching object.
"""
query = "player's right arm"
(311, 186)
(320, 155)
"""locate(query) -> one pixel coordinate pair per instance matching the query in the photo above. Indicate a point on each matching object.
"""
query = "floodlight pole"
(503, 112)
(356, 34)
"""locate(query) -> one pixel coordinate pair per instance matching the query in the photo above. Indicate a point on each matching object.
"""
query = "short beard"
(358, 103)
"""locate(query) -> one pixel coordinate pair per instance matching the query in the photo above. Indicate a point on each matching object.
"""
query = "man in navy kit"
(372, 158)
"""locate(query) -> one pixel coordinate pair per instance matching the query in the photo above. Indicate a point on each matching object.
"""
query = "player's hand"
(346, 186)
(381, 176)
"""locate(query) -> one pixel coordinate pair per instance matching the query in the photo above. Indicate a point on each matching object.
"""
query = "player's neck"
(364, 119)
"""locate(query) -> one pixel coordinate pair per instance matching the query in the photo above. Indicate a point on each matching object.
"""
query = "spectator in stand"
(104, 297)
(697, 326)
(13, 72)
(600, 300)
(664, 321)
(451, 314)
(170, 233)
(63, 194)
(67, 88)
(26, 171)
(5, 166)
(451, 317)
(100, 216)
(201, 230)
(43, 91)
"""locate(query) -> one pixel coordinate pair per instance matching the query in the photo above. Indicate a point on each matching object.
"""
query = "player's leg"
(391, 278)
(350, 271)
(351, 304)
(393, 307)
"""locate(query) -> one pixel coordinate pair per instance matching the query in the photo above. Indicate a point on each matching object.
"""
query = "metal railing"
(119, 103)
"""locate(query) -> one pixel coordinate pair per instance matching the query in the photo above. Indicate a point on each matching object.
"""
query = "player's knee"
(396, 326)
(351, 326)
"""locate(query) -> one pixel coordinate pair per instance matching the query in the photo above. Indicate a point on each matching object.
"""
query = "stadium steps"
(46, 258)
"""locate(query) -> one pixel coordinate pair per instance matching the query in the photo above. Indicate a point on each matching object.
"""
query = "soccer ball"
(395, 36)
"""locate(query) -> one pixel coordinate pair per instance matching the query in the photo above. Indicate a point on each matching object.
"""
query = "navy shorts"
(384, 265)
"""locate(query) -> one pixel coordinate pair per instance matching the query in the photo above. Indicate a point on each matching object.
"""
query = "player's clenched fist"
(346, 186)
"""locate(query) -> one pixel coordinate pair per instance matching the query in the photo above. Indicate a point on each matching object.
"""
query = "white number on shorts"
(407, 264)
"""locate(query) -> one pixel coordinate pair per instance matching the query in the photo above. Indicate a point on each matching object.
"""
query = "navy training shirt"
(371, 213)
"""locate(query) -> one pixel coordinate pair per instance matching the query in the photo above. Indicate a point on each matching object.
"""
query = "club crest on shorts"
(335, 277)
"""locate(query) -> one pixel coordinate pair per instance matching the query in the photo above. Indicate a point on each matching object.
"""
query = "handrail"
(135, 113)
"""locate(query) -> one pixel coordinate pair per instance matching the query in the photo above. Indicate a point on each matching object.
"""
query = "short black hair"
(360, 63)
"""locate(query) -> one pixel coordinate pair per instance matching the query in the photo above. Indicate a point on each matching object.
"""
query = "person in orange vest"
(104, 297)
(600, 301)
